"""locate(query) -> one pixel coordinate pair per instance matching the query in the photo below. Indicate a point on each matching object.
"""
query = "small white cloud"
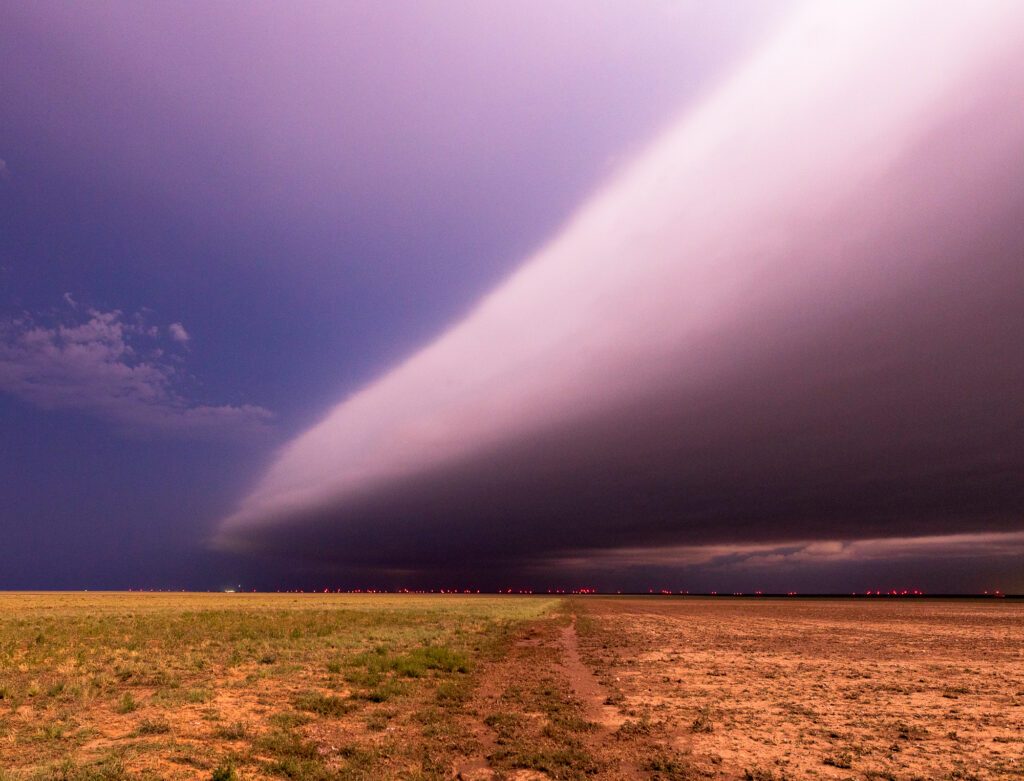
(178, 332)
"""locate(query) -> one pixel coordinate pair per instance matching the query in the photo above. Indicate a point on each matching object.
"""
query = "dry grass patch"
(238, 686)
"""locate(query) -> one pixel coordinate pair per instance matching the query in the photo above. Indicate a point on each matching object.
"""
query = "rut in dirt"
(585, 685)
(581, 683)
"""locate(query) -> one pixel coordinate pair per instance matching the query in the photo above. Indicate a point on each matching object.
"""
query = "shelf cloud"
(794, 317)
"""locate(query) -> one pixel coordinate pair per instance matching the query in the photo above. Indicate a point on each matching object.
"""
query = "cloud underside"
(796, 318)
(753, 557)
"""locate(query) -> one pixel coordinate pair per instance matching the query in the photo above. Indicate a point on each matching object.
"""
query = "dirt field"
(190, 686)
(781, 689)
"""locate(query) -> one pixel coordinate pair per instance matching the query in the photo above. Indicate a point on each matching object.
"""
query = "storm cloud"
(798, 316)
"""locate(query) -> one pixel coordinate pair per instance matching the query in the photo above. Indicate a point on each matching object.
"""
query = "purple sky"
(729, 296)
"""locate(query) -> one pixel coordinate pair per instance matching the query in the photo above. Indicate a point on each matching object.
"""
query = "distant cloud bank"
(796, 317)
(112, 367)
(774, 555)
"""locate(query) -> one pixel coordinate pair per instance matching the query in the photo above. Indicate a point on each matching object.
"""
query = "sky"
(514, 295)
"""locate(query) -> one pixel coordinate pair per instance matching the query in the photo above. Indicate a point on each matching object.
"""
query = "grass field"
(110, 686)
(248, 686)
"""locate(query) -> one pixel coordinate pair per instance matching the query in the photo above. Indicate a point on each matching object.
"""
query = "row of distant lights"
(574, 592)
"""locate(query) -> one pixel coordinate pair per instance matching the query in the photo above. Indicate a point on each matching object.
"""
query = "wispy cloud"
(113, 367)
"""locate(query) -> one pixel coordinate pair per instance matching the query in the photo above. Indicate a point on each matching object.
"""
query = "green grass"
(153, 727)
(414, 664)
(289, 720)
(541, 727)
(325, 704)
(238, 730)
(225, 772)
(127, 703)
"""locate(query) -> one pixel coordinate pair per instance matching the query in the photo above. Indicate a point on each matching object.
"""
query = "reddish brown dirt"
(585, 684)
(787, 689)
(546, 657)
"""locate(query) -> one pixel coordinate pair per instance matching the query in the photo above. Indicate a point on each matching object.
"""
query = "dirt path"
(584, 683)
(594, 696)
(477, 767)
(544, 652)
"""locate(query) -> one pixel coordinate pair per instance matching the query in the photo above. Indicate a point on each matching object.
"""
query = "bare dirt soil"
(794, 688)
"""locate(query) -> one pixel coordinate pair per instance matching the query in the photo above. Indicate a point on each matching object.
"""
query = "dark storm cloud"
(797, 318)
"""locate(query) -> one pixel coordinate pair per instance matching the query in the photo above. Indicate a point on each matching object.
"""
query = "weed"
(289, 719)
(503, 724)
(615, 698)
(703, 722)
(235, 731)
(325, 705)
(152, 727)
(377, 721)
(199, 696)
(52, 731)
(562, 722)
(110, 768)
(561, 762)
(287, 744)
(906, 731)
(127, 703)
(668, 768)
(631, 729)
(300, 769)
(451, 693)
(225, 772)
(381, 693)
(840, 759)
